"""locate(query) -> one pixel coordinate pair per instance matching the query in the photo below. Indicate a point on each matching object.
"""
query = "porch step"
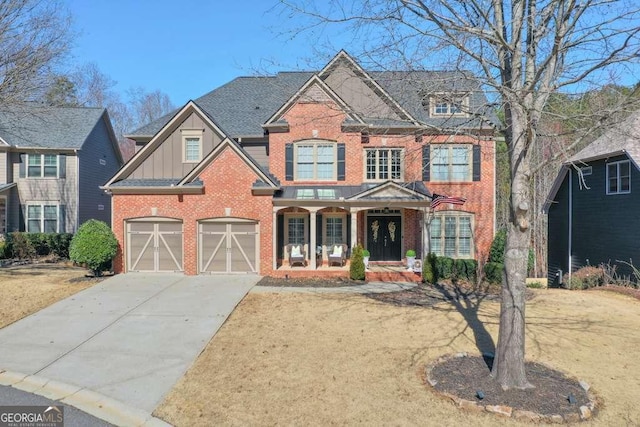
(392, 276)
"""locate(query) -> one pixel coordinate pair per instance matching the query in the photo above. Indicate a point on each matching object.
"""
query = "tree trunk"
(509, 363)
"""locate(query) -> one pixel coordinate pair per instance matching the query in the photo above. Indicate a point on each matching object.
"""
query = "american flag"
(437, 199)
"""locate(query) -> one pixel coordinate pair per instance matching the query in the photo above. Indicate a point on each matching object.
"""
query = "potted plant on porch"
(411, 259)
(365, 258)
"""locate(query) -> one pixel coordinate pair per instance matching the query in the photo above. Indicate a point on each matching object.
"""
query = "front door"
(383, 238)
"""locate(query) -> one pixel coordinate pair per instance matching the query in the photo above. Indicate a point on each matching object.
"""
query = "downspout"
(570, 234)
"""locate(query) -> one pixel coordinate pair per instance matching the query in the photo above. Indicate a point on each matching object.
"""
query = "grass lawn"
(26, 289)
(327, 359)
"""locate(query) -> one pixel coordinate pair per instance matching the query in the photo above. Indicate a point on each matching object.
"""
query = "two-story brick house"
(313, 159)
(52, 163)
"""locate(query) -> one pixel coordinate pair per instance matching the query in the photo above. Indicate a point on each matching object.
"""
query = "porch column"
(425, 232)
(354, 227)
(312, 238)
(274, 243)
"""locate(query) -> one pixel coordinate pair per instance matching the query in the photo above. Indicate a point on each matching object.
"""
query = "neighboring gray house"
(52, 162)
(593, 219)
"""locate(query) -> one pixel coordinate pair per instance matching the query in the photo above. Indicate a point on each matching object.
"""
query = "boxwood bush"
(356, 268)
(94, 245)
(30, 245)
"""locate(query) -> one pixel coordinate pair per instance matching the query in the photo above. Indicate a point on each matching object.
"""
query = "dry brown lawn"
(310, 359)
(26, 289)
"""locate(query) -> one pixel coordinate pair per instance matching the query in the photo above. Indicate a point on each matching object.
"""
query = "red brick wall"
(227, 181)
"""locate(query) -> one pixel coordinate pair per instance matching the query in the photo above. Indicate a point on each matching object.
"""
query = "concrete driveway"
(130, 337)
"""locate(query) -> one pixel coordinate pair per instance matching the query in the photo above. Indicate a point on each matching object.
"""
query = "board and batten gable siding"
(62, 191)
(604, 227)
(558, 235)
(166, 160)
(97, 162)
(357, 94)
(258, 151)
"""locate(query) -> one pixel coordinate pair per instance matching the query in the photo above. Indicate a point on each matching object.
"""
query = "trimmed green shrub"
(59, 244)
(584, 278)
(39, 243)
(464, 269)
(444, 267)
(493, 272)
(365, 253)
(21, 246)
(356, 269)
(94, 245)
(429, 270)
(535, 285)
(4, 249)
(496, 253)
(411, 253)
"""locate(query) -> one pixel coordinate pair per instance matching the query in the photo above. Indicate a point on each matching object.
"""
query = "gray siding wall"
(93, 173)
(62, 191)
(259, 152)
(605, 227)
(166, 161)
(558, 232)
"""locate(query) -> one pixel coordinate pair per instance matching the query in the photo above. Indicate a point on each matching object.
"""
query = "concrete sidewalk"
(130, 337)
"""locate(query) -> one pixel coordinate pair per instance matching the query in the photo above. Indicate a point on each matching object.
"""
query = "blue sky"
(184, 48)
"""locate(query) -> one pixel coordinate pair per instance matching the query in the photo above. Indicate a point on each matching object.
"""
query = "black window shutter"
(288, 162)
(62, 228)
(62, 166)
(22, 226)
(280, 234)
(348, 236)
(476, 163)
(341, 162)
(426, 167)
(318, 231)
(23, 165)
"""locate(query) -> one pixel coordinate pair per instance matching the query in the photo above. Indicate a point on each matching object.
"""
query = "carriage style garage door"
(227, 246)
(154, 245)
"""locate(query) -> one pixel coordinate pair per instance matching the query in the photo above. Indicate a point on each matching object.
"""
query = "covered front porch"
(316, 229)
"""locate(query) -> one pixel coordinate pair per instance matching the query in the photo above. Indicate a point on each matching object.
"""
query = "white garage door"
(228, 246)
(154, 245)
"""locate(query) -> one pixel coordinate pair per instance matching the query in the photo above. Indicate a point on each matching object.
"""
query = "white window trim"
(325, 216)
(188, 134)
(458, 214)
(42, 205)
(450, 147)
(377, 149)
(448, 98)
(315, 144)
(41, 176)
(613, 193)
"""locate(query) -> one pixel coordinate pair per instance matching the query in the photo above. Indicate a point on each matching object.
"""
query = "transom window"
(619, 177)
(315, 161)
(42, 165)
(42, 218)
(334, 230)
(451, 162)
(191, 146)
(451, 235)
(383, 164)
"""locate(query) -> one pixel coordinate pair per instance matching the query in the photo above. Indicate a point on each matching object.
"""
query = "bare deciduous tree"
(34, 39)
(524, 51)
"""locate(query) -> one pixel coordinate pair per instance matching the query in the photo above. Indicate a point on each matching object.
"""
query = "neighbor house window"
(42, 218)
(191, 146)
(334, 230)
(383, 164)
(451, 162)
(42, 165)
(451, 235)
(619, 177)
(296, 230)
(315, 161)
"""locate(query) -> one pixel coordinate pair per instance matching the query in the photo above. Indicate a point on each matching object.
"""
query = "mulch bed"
(425, 295)
(464, 377)
(309, 282)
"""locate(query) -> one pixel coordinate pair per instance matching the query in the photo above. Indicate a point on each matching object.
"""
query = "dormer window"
(447, 104)
(192, 146)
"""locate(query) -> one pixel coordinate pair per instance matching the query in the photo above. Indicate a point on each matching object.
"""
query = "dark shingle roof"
(38, 126)
(136, 182)
(346, 191)
(241, 106)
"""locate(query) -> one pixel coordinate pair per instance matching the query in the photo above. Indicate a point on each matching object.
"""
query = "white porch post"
(312, 238)
(354, 227)
(274, 243)
(425, 232)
